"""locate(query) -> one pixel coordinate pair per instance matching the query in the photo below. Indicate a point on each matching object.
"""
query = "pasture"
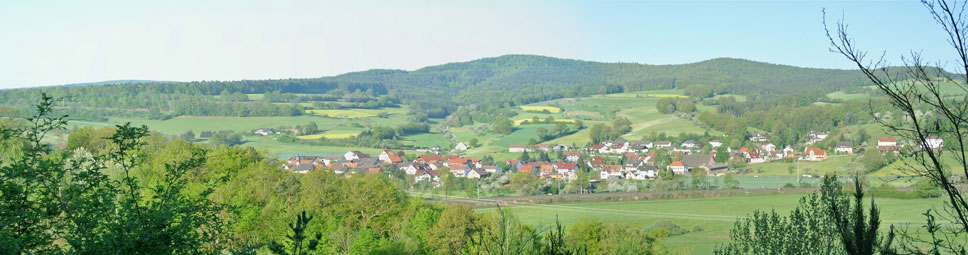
(715, 216)
(196, 124)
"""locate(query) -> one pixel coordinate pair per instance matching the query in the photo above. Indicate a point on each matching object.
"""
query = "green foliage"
(504, 126)
(722, 156)
(225, 138)
(297, 243)
(808, 228)
(670, 228)
(872, 160)
(51, 204)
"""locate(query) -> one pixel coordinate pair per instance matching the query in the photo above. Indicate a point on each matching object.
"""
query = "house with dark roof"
(844, 147)
(696, 160)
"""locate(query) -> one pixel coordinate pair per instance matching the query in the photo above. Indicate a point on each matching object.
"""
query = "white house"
(769, 147)
(264, 131)
(757, 137)
(572, 156)
(845, 147)
(715, 143)
(492, 169)
(518, 148)
(644, 172)
(935, 142)
(677, 167)
(430, 176)
(887, 142)
(477, 174)
(612, 171)
(814, 154)
(690, 144)
(460, 146)
(385, 155)
(354, 155)
(787, 150)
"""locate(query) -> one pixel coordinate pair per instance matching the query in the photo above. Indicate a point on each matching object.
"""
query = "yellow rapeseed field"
(327, 136)
(539, 108)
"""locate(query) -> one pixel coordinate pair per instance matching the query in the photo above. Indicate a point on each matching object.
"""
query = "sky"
(61, 42)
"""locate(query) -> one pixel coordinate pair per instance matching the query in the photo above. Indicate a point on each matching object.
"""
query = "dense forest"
(437, 91)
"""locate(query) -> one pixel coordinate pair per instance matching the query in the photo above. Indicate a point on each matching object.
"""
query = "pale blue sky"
(59, 42)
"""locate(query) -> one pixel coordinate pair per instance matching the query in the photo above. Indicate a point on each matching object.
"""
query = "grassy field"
(714, 215)
(181, 124)
(285, 150)
(847, 97)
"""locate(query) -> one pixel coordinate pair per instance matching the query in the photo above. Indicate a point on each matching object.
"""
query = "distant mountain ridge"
(502, 81)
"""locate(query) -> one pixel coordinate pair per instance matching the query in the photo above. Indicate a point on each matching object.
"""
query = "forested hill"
(504, 80)
(523, 76)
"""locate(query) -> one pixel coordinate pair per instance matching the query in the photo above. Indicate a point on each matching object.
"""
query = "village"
(613, 159)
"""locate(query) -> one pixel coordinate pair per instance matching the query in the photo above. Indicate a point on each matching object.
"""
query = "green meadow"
(709, 219)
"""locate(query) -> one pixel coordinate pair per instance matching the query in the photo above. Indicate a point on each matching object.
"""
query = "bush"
(670, 228)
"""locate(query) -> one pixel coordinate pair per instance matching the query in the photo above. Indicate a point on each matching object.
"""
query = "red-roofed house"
(814, 154)
(611, 171)
(677, 167)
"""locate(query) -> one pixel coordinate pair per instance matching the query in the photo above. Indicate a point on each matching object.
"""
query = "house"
(817, 134)
(677, 167)
(693, 161)
(644, 172)
(543, 147)
(561, 147)
(715, 169)
(513, 164)
(715, 143)
(632, 164)
(934, 142)
(814, 154)
(355, 155)
(491, 169)
(565, 167)
(596, 162)
(428, 175)
(572, 156)
(457, 161)
(757, 137)
(690, 144)
(529, 168)
(518, 148)
(303, 168)
(641, 146)
(816, 137)
(768, 147)
(886, 141)
(368, 163)
(665, 145)
(264, 131)
(460, 146)
(788, 150)
(609, 171)
(477, 174)
(844, 147)
(755, 157)
(459, 170)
